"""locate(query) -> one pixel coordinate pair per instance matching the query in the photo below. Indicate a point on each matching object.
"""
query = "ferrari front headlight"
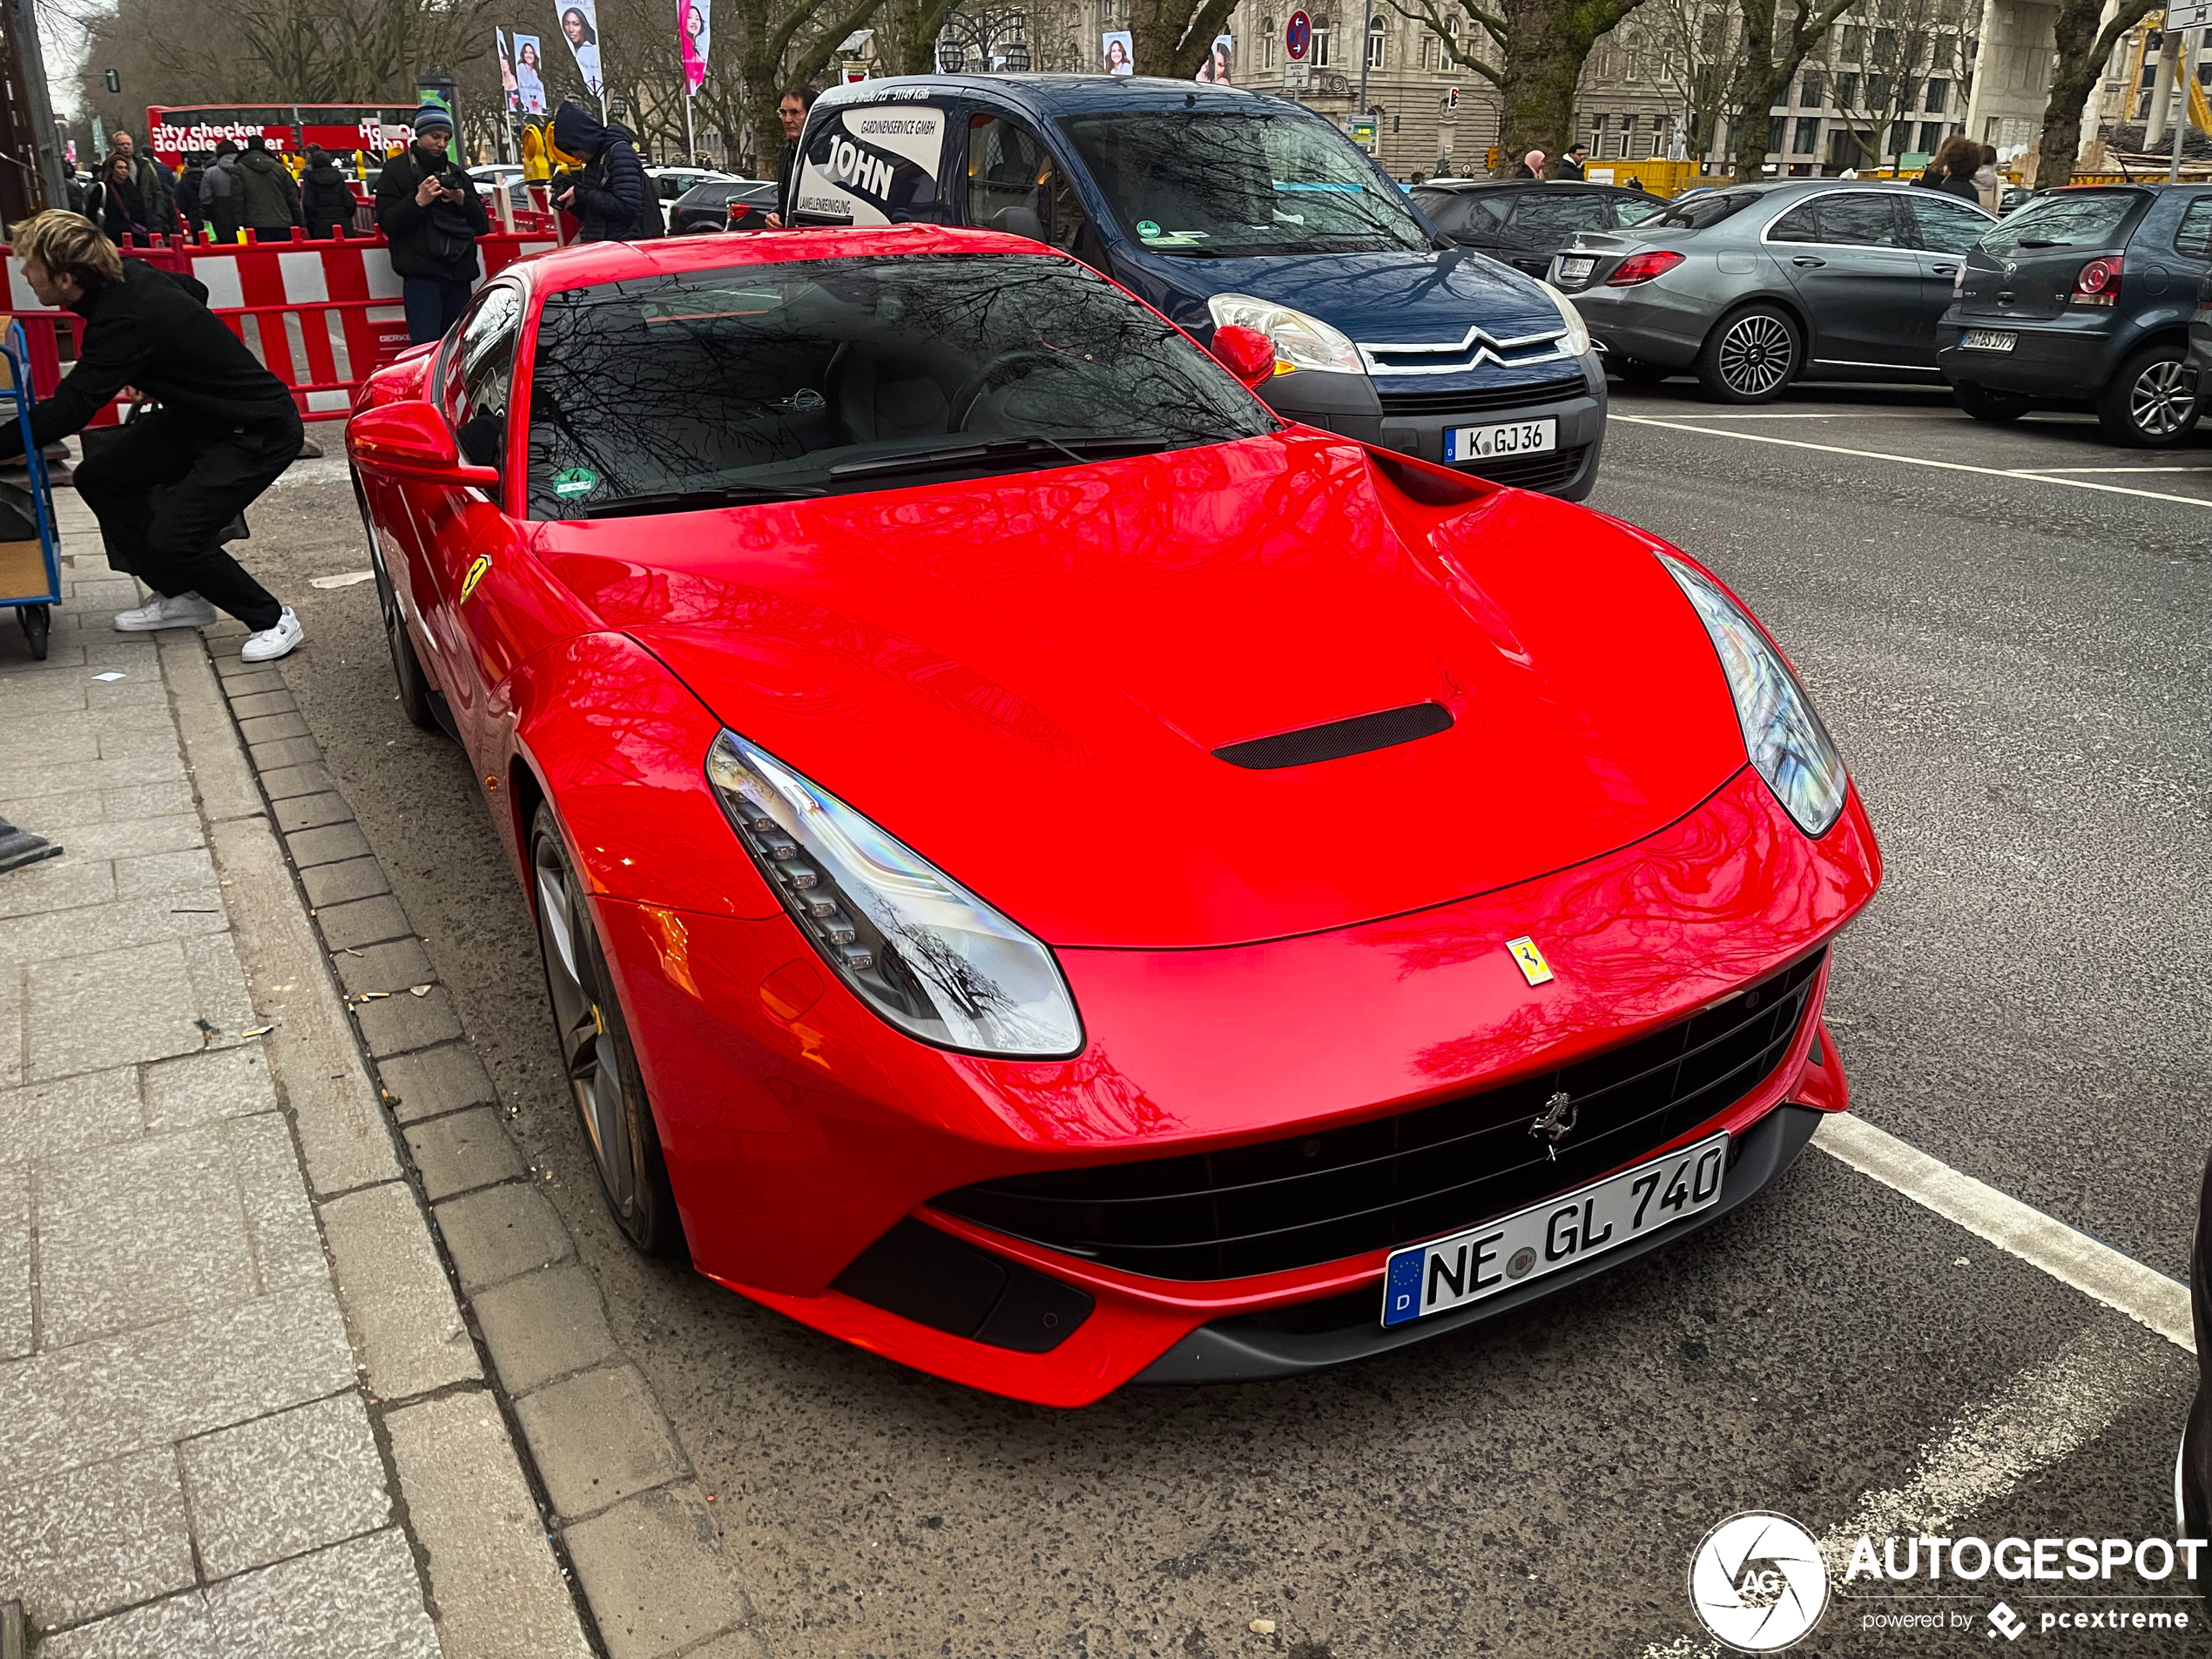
(1300, 340)
(1784, 737)
(914, 945)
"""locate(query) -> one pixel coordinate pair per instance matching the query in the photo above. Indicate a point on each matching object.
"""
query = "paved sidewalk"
(241, 1412)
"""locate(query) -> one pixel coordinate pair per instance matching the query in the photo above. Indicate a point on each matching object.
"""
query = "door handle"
(1806, 260)
(1947, 270)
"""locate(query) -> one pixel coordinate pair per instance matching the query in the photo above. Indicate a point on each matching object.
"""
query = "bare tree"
(1767, 63)
(1689, 46)
(1878, 58)
(2081, 50)
(783, 42)
(1540, 45)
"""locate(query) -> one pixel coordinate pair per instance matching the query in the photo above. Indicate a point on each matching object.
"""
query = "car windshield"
(2069, 219)
(1702, 210)
(823, 377)
(1207, 185)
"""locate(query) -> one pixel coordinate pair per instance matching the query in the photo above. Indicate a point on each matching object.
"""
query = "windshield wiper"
(1076, 449)
(688, 500)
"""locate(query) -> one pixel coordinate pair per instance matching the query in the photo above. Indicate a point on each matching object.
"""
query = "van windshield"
(1207, 184)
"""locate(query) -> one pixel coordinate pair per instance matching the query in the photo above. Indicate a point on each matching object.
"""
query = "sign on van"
(871, 165)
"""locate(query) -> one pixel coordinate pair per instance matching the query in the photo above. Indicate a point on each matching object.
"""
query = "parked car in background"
(1756, 287)
(670, 185)
(2201, 334)
(1525, 221)
(2087, 296)
(722, 205)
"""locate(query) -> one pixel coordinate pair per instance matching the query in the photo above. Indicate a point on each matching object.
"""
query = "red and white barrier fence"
(321, 316)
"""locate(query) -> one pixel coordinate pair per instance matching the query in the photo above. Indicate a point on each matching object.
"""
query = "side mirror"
(410, 440)
(1245, 352)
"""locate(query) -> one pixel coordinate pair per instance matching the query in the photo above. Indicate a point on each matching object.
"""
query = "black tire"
(1751, 355)
(38, 625)
(596, 1051)
(1636, 372)
(406, 667)
(2154, 401)
(1996, 408)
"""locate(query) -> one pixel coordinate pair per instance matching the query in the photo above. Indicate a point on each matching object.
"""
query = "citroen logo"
(1557, 1123)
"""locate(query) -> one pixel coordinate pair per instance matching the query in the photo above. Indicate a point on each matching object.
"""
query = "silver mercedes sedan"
(1755, 286)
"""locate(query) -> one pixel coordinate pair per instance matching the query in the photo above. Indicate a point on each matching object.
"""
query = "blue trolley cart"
(30, 573)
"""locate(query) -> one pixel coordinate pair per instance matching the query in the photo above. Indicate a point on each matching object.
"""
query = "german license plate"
(1574, 270)
(1496, 443)
(1989, 340)
(1501, 1255)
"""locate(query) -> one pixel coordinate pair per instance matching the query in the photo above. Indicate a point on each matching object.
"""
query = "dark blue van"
(1220, 206)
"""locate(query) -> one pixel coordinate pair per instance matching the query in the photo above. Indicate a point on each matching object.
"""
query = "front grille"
(1309, 1198)
(1483, 398)
(1532, 472)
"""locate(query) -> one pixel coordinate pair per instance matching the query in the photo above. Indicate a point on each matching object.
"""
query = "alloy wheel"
(1756, 354)
(588, 1052)
(2163, 398)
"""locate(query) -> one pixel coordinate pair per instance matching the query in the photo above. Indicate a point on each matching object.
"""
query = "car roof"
(1474, 187)
(588, 264)
(1050, 97)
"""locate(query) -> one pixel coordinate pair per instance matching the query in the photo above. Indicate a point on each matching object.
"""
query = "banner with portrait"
(694, 29)
(580, 28)
(529, 75)
(1118, 48)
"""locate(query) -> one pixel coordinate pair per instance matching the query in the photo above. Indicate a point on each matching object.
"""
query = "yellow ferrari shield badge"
(476, 574)
(1529, 959)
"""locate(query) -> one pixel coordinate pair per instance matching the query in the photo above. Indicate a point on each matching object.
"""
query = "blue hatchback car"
(1218, 206)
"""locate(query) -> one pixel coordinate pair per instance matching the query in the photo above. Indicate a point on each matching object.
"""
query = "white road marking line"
(2043, 470)
(2073, 1258)
(345, 581)
(1911, 461)
(2040, 1418)
(1835, 415)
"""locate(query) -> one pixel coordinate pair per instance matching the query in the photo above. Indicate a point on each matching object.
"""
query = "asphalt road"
(2017, 671)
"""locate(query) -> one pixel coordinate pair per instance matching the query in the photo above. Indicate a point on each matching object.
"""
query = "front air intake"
(1338, 739)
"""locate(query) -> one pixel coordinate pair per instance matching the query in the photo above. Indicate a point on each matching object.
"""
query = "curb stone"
(630, 1524)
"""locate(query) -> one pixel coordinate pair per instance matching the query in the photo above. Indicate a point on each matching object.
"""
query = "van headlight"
(1300, 340)
(1786, 742)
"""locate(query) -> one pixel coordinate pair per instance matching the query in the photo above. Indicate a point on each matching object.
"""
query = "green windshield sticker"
(1146, 227)
(577, 481)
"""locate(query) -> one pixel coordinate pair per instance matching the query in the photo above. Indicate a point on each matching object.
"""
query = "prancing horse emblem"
(1557, 1123)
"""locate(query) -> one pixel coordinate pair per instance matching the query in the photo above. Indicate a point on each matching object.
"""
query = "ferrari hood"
(1026, 679)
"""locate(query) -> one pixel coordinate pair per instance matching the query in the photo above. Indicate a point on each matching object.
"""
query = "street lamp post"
(991, 34)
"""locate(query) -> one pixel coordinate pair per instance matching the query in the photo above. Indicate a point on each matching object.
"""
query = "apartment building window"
(1267, 38)
(1846, 91)
(1885, 45)
(1931, 136)
(1710, 33)
(1808, 91)
(1939, 98)
(1320, 43)
(1427, 40)
(1900, 138)
(1778, 129)
(1375, 38)
(1808, 142)
(1878, 91)
(1854, 42)
(1628, 135)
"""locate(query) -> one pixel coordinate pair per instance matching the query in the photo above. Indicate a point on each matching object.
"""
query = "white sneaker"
(176, 610)
(272, 643)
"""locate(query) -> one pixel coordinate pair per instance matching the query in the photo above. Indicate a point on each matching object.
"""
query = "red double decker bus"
(173, 130)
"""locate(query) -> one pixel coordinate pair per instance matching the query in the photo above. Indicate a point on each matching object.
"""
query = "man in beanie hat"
(431, 213)
(267, 199)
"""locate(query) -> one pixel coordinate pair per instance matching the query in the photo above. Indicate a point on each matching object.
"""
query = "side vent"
(1338, 739)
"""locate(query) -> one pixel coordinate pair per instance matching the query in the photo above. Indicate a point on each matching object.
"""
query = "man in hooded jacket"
(268, 201)
(219, 191)
(324, 198)
(610, 195)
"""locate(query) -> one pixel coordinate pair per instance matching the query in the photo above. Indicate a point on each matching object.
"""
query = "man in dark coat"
(166, 486)
(431, 213)
(325, 198)
(188, 182)
(219, 191)
(1570, 165)
(268, 200)
(610, 195)
(791, 109)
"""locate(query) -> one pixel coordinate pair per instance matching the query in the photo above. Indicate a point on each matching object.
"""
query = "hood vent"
(1338, 739)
